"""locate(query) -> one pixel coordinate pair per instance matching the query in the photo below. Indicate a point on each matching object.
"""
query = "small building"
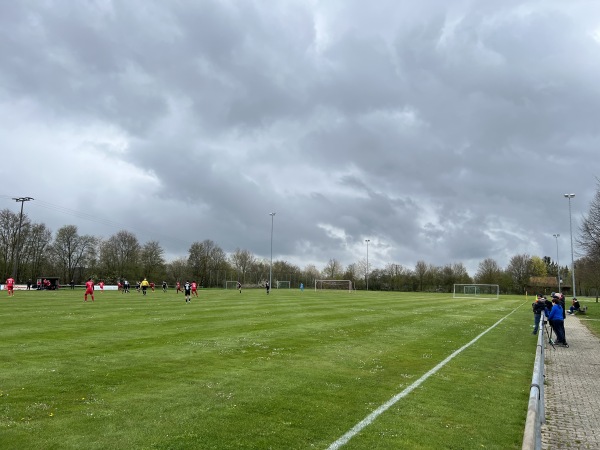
(547, 285)
(50, 283)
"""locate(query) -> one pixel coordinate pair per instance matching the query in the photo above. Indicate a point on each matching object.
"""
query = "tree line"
(73, 256)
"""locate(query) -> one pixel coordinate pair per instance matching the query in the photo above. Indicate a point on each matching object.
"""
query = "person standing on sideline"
(89, 289)
(187, 290)
(144, 284)
(10, 286)
(164, 286)
(239, 286)
(539, 308)
(557, 321)
(29, 283)
(72, 284)
(268, 287)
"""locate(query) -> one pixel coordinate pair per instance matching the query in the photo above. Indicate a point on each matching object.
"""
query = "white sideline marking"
(371, 417)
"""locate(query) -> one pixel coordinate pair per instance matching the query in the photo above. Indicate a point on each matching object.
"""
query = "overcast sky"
(441, 131)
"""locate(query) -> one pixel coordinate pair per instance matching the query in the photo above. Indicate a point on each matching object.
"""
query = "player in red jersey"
(178, 288)
(10, 286)
(194, 289)
(101, 284)
(89, 289)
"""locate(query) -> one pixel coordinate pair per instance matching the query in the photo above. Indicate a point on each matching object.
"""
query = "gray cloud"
(441, 132)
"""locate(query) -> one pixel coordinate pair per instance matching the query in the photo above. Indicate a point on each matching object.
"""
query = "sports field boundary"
(344, 439)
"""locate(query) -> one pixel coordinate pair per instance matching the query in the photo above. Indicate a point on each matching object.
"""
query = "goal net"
(231, 284)
(491, 291)
(333, 285)
(282, 284)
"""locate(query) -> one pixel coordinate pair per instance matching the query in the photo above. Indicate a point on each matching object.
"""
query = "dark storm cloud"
(442, 132)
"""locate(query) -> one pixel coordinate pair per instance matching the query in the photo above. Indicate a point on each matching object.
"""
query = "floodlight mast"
(556, 236)
(271, 266)
(570, 196)
(367, 241)
(17, 246)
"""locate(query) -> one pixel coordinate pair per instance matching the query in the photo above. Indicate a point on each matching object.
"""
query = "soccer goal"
(488, 291)
(332, 285)
(231, 284)
(282, 284)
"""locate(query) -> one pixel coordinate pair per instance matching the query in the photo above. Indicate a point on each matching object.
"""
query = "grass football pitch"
(289, 370)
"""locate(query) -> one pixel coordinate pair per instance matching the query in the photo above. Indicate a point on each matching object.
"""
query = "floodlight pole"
(367, 241)
(557, 263)
(570, 196)
(271, 266)
(17, 245)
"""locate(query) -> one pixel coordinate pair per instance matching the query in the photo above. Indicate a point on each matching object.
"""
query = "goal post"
(333, 285)
(231, 284)
(282, 285)
(484, 291)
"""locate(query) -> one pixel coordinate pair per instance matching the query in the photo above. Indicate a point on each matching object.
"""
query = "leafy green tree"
(538, 267)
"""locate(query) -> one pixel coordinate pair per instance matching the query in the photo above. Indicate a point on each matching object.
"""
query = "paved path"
(573, 390)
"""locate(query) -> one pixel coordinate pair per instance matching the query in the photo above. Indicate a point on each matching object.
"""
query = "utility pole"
(17, 245)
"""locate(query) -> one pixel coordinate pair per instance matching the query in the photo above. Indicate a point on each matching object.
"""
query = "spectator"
(539, 308)
(575, 306)
(557, 322)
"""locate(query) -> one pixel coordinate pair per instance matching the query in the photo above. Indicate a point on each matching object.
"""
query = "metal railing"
(532, 437)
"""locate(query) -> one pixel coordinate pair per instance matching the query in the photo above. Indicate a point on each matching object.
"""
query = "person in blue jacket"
(557, 322)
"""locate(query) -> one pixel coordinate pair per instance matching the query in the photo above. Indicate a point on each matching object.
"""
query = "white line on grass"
(371, 417)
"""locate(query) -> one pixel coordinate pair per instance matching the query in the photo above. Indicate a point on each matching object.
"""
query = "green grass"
(591, 319)
(290, 370)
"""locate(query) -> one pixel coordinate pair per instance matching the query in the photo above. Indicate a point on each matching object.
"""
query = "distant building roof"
(546, 282)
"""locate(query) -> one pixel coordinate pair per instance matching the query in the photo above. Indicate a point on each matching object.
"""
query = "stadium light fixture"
(556, 236)
(17, 247)
(570, 196)
(271, 266)
(367, 241)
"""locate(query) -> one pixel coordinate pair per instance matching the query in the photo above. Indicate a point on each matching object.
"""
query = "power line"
(99, 220)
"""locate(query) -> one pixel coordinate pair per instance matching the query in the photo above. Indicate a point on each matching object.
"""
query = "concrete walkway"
(573, 390)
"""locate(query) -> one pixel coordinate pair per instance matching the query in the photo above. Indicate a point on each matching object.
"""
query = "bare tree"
(519, 269)
(589, 238)
(70, 250)
(488, 272)
(242, 261)
(178, 269)
(152, 260)
(119, 256)
(421, 270)
(206, 261)
(333, 269)
(35, 256)
(9, 227)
